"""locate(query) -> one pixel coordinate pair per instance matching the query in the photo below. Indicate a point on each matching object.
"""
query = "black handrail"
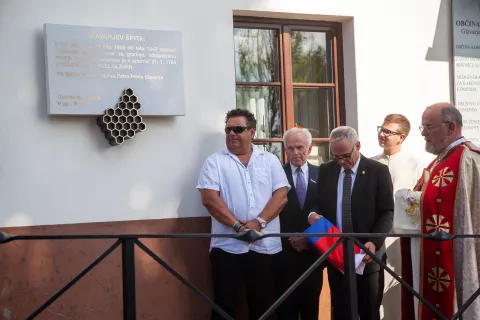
(248, 235)
(128, 242)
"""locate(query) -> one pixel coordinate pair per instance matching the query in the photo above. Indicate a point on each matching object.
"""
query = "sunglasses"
(237, 129)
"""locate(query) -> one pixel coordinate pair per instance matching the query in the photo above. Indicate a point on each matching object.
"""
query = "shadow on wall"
(442, 42)
(349, 69)
(40, 69)
(442, 47)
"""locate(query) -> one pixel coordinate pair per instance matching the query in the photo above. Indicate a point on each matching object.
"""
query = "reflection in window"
(320, 154)
(310, 57)
(256, 55)
(286, 75)
(264, 103)
(273, 147)
(314, 110)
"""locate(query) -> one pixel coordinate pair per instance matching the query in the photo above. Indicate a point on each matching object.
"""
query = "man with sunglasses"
(243, 188)
(355, 193)
(405, 170)
(446, 273)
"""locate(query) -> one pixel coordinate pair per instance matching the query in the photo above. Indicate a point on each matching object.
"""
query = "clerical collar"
(450, 146)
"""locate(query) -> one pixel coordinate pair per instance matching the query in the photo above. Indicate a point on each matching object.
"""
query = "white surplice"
(405, 170)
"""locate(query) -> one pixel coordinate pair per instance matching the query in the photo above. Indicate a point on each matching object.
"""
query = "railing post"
(128, 279)
(350, 278)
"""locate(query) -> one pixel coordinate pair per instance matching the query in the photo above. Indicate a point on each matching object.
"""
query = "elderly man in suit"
(356, 194)
(297, 255)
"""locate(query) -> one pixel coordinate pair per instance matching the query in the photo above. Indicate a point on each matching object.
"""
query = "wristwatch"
(262, 222)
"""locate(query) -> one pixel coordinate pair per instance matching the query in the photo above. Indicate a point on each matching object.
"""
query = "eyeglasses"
(343, 157)
(429, 127)
(236, 129)
(387, 132)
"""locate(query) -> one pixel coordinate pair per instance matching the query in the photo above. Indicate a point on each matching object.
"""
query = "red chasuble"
(436, 258)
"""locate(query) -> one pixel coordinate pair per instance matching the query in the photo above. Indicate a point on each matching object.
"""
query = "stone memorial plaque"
(88, 68)
(466, 59)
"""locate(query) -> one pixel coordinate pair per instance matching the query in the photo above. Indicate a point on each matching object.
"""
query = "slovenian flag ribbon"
(322, 244)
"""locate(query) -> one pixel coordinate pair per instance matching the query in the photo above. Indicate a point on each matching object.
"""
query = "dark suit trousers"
(369, 294)
(304, 301)
(229, 271)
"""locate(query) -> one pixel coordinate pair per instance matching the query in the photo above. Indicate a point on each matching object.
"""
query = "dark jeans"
(229, 271)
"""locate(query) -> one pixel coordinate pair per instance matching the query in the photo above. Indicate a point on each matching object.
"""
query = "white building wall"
(56, 170)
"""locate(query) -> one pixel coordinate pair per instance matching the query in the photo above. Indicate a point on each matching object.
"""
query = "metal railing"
(129, 241)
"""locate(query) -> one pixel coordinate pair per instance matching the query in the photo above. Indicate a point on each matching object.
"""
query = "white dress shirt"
(341, 176)
(304, 168)
(245, 191)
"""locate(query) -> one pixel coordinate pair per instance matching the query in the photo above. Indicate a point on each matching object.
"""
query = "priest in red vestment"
(446, 273)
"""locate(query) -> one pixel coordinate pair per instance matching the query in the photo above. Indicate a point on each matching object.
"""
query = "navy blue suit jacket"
(292, 218)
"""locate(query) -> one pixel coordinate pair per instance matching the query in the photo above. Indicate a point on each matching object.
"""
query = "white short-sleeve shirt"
(245, 191)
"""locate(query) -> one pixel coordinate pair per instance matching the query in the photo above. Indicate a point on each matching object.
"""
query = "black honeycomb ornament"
(124, 121)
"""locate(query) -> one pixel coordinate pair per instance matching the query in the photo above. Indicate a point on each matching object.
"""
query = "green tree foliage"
(257, 59)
